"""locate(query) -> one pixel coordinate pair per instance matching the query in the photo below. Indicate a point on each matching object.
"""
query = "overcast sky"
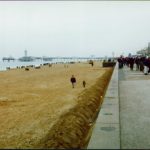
(73, 28)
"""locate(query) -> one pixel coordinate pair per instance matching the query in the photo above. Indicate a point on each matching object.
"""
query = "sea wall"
(108, 64)
(106, 131)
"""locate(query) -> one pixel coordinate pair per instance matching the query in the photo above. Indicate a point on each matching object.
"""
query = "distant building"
(145, 51)
(149, 47)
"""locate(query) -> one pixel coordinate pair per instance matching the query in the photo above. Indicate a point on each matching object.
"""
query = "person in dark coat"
(73, 81)
(142, 59)
(137, 62)
(120, 61)
(131, 62)
(146, 63)
(84, 83)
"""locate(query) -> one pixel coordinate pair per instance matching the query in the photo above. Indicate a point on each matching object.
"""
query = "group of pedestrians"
(140, 63)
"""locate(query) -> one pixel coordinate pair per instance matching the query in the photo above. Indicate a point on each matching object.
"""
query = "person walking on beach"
(73, 81)
(84, 83)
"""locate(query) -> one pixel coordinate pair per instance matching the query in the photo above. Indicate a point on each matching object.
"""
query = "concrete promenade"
(124, 118)
(134, 109)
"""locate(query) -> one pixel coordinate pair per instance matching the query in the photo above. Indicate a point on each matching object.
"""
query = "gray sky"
(73, 28)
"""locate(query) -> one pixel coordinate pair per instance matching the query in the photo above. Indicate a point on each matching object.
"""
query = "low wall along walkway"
(106, 132)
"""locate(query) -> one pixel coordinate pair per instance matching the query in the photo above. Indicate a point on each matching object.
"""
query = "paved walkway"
(124, 118)
(134, 90)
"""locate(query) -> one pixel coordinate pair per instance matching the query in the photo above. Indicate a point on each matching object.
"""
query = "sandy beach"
(31, 102)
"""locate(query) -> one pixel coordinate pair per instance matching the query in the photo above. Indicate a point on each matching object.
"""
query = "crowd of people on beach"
(141, 63)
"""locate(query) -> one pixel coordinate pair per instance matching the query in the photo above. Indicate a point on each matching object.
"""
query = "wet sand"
(32, 102)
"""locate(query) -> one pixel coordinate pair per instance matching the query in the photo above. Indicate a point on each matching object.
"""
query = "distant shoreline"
(14, 64)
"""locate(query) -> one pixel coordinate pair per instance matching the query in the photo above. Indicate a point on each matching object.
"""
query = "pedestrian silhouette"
(84, 83)
(73, 81)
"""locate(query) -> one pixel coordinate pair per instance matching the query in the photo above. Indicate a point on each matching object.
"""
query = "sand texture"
(39, 107)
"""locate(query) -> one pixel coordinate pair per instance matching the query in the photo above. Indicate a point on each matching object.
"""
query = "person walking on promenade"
(120, 61)
(137, 62)
(141, 63)
(146, 66)
(131, 62)
(84, 83)
(73, 81)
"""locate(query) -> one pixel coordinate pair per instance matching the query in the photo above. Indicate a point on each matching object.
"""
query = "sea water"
(15, 63)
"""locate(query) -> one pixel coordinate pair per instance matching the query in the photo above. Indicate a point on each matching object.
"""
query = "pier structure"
(26, 58)
(47, 58)
(8, 59)
(66, 59)
(76, 58)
